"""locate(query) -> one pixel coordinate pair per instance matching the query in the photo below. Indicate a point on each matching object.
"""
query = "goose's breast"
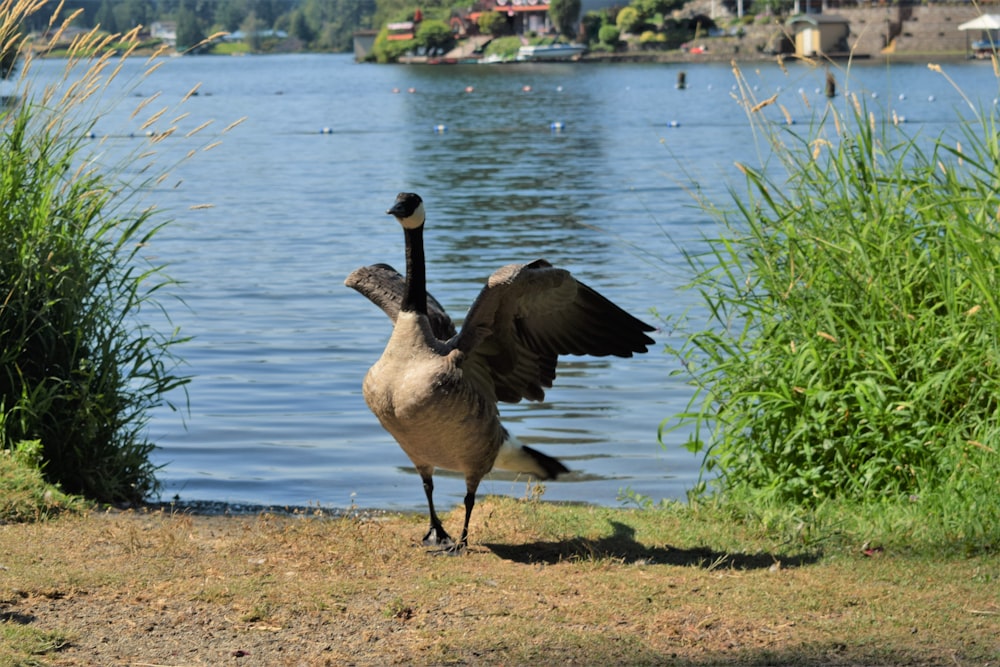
(433, 414)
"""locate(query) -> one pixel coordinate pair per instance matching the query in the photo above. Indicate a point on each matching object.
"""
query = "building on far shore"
(819, 34)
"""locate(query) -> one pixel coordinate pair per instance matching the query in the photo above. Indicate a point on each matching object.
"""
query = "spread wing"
(383, 286)
(529, 314)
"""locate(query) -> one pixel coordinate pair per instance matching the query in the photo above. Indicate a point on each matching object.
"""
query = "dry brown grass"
(541, 584)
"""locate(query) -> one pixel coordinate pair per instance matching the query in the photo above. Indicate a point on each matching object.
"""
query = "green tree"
(189, 30)
(106, 17)
(609, 35)
(299, 28)
(252, 27)
(629, 20)
(131, 13)
(565, 15)
(493, 24)
(649, 8)
(435, 36)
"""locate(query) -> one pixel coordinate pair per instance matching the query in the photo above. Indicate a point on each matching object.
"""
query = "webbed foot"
(438, 537)
(453, 549)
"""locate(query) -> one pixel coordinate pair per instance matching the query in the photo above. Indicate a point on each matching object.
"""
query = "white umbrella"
(984, 22)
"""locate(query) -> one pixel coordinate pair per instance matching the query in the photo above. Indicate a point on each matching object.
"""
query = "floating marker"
(674, 123)
(91, 135)
(902, 97)
(469, 89)
(326, 130)
(557, 126)
(930, 98)
(874, 95)
(440, 129)
(395, 91)
(526, 89)
(411, 90)
(558, 89)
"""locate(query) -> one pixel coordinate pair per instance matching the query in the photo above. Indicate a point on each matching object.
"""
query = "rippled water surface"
(298, 193)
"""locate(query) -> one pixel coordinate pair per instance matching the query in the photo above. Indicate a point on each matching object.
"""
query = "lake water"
(298, 193)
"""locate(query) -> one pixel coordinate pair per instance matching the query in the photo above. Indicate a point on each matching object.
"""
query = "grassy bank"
(542, 584)
(849, 358)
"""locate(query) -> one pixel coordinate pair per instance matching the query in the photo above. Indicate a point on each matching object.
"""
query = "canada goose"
(436, 391)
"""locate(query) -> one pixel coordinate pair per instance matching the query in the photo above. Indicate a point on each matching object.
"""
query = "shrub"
(609, 35)
(79, 369)
(493, 24)
(435, 37)
(853, 346)
(629, 20)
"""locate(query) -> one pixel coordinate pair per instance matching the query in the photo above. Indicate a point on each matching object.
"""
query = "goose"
(435, 389)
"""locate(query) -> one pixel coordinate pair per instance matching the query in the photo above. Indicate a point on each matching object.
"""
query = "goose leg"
(458, 548)
(436, 535)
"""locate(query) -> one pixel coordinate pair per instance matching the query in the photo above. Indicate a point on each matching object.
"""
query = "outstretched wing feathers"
(535, 312)
(384, 286)
(523, 319)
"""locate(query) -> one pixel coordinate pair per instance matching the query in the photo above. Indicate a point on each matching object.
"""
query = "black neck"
(415, 295)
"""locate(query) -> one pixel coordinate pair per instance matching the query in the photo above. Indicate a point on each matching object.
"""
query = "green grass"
(22, 645)
(25, 495)
(851, 355)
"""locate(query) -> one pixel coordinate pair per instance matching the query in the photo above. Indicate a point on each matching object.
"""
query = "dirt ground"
(156, 588)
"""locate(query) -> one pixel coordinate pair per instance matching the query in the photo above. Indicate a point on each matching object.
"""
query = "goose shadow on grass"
(622, 545)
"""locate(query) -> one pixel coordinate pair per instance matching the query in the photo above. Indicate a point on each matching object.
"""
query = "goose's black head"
(408, 210)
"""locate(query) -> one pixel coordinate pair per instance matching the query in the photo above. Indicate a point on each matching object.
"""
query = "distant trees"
(493, 24)
(565, 14)
(189, 30)
(435, 36)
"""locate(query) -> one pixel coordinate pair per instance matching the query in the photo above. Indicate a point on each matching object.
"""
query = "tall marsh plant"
(853, 348)
(79, 367)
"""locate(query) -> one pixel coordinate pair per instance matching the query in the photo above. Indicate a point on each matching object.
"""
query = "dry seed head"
(199, 128)
(760, 105)
(817, 146)
(191, 92)
(154, 67)
(142, 105)
(152, 119)
(234, 124)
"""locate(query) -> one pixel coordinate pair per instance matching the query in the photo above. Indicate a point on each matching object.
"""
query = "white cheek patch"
(415, 219)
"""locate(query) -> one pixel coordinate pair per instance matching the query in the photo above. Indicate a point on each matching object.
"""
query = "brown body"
(420, 396)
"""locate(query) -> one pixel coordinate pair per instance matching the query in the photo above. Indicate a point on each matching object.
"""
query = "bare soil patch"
(541, 584)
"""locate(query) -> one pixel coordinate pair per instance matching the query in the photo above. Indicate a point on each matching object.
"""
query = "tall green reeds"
(853, 347)
(79, 367)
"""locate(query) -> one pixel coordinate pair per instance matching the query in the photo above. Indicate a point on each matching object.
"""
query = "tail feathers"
(516, 457)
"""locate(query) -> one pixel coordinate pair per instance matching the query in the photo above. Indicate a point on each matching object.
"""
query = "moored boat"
(550, 52)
